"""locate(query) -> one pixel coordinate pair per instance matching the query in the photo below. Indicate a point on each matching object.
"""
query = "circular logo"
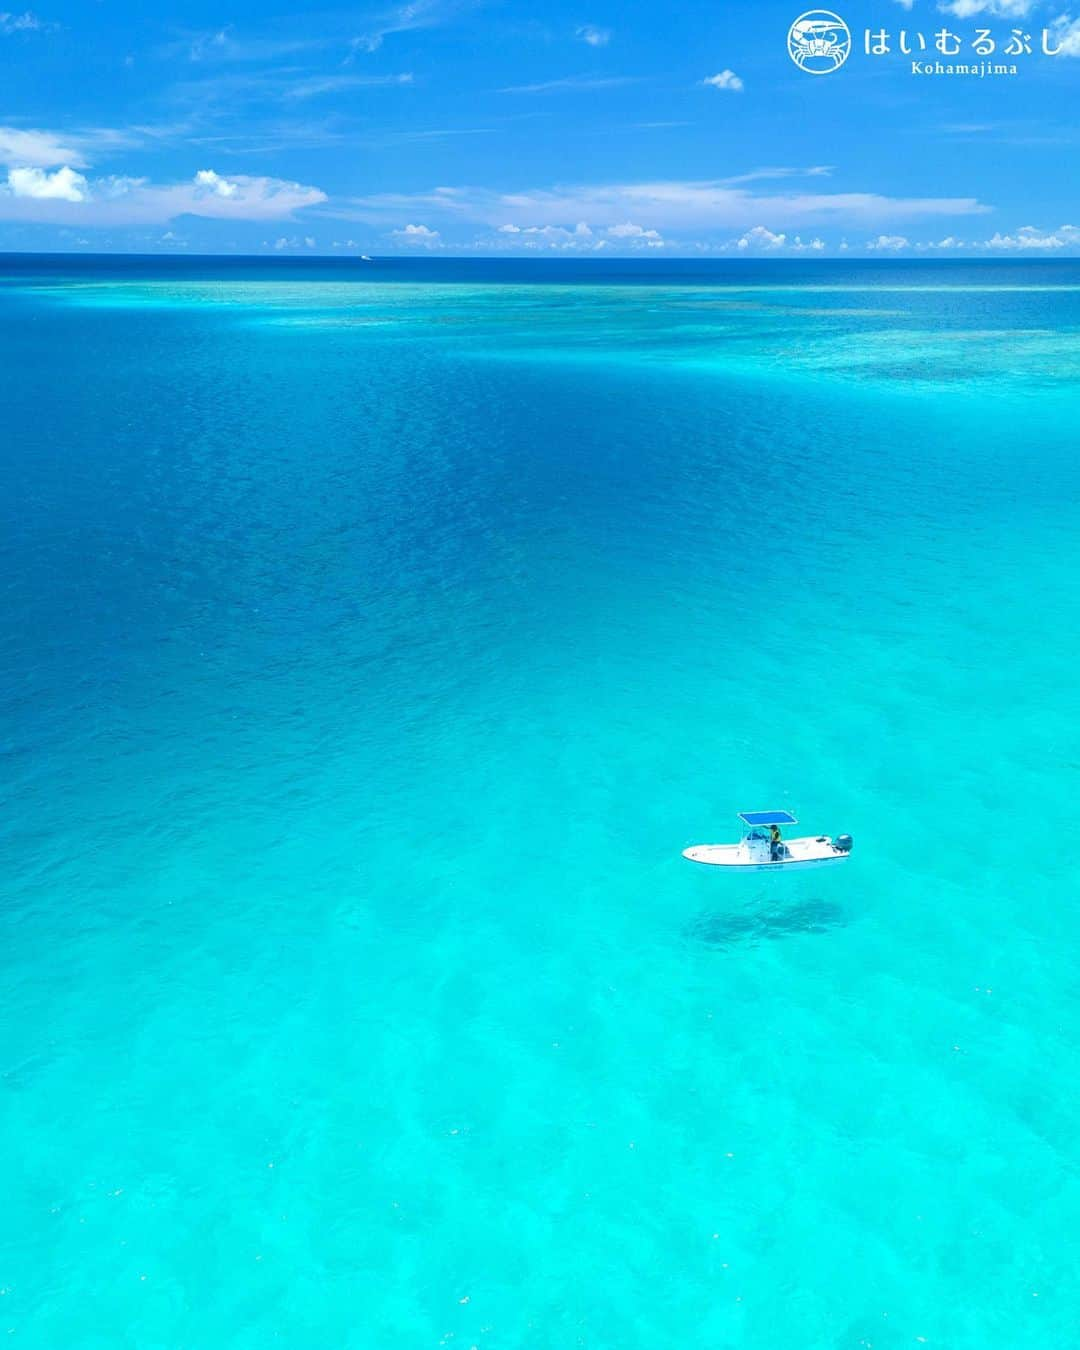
(819, 41)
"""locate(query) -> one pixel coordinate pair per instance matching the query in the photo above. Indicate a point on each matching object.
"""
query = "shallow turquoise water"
(373, 648)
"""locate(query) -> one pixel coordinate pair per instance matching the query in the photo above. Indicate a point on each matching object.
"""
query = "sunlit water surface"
(376, 636)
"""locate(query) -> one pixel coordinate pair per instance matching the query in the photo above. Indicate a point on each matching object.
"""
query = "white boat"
(758, 851)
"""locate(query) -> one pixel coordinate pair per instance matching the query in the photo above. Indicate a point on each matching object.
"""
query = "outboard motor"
(843, 843)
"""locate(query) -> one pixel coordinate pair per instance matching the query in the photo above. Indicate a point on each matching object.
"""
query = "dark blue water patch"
(871, 273)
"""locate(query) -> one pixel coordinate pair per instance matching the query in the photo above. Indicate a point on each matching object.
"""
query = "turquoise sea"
(375, 637)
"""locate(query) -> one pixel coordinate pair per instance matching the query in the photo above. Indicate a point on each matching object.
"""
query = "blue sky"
(579, 127)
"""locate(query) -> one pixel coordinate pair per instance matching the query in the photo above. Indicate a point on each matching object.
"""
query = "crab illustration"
(816, 36)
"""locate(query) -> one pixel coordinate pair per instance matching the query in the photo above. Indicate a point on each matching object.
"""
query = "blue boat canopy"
(753, 818)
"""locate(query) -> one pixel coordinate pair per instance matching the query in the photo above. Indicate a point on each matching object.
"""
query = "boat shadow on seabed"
(761, 925)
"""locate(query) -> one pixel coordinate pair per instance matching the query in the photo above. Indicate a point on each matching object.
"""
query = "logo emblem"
(819, 41)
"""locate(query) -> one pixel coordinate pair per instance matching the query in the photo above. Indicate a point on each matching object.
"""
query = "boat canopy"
(753, 818)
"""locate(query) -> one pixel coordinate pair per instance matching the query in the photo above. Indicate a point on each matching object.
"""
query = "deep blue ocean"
(375, 637)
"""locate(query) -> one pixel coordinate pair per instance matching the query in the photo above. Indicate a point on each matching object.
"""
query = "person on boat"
(776, 843)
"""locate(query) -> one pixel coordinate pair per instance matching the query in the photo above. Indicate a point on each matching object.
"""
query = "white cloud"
(907, 4)
(221, 45)
(631, 231)
(241, 197)
(582, 238)
(550, 232)
(317, 85)
(69, 198)
(26, 22)
(569, 84)
(1065, 34)
(40, 149)
(65, 185)
(116, 185)
(229, 90)
(665, 205)
(760, 237)
(417, 236)
(407, 18)
(757, 175)
(214, 183)
(760, 241)
(594, 36)
(1002, 9)
(727, 79)
(1029, 239)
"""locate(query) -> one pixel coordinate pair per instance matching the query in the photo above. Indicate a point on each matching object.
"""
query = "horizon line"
(739, 258)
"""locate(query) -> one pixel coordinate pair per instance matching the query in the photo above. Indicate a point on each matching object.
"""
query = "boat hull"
(801, 855)
(788, 865)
